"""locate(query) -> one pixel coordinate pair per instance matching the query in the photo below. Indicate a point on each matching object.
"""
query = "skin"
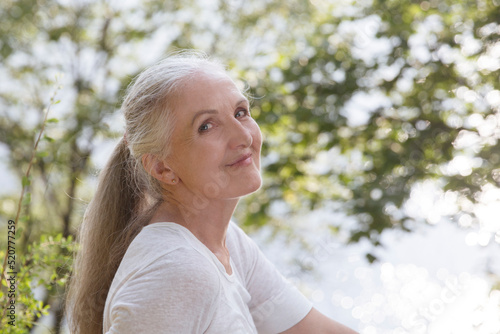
(215, 160)
(213, 130)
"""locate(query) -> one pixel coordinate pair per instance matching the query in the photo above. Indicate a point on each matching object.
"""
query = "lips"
(243, 160)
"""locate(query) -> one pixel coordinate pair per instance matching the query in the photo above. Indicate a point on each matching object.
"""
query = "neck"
(207, 220)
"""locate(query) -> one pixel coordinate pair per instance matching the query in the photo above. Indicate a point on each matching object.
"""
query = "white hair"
(149, 104)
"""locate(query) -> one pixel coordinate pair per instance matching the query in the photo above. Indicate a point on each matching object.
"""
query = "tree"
(393, 94)
(389, 93)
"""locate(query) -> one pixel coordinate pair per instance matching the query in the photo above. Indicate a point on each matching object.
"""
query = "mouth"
(243, 160)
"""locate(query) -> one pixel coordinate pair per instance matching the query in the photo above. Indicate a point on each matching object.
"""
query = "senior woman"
(159, 253)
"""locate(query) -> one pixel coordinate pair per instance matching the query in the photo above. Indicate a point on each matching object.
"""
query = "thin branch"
(26, 177)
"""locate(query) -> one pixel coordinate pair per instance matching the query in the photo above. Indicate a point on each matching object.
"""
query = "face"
(216, 143)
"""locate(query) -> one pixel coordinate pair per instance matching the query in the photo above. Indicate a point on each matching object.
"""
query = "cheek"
(256, 136)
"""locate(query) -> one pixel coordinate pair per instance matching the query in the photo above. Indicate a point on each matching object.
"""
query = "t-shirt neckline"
(196, 243)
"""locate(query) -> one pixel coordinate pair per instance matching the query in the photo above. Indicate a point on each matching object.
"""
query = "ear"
(158, 169)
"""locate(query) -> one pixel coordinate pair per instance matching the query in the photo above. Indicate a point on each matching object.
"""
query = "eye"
(241, 113)
(205, 127)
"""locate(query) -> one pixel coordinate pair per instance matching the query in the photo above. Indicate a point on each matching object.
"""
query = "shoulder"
(161, 264)
(233, 227)
(179, 290)
(245, 253)
(276, 305)
(182, 268)
(162, 247)
(163, 274)
(239, 238)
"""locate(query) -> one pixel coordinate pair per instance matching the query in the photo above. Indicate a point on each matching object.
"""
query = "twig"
(26, 177)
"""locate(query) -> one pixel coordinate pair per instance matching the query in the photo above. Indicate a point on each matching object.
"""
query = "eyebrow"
(213, 111)
(201, 112)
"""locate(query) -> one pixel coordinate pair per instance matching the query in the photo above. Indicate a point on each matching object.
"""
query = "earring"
(173, 181)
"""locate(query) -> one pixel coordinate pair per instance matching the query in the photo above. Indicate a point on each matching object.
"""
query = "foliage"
(19, 289)
(359, 103)
(44, 268)
(394, 94)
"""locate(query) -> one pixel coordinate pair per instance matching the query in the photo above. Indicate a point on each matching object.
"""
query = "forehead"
(207, 90)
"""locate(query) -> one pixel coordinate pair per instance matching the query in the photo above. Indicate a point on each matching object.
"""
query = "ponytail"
(116, 214)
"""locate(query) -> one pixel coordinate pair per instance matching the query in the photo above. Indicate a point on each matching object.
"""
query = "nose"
(240, 136)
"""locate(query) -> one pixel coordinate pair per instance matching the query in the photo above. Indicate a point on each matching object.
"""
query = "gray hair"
(149, 103)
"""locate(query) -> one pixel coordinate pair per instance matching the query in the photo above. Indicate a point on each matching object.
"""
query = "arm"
(318, 323)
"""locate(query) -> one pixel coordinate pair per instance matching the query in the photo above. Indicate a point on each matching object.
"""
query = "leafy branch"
(26, 182)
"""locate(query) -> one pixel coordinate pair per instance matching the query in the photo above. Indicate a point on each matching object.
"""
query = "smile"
(244, 160)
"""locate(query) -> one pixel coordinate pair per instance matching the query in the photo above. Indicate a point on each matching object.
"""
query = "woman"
(159, 251)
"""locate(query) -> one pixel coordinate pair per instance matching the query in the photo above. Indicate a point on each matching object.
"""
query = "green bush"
(46, 265)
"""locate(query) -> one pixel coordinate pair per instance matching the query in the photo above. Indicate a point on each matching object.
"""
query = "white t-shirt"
(170, 282)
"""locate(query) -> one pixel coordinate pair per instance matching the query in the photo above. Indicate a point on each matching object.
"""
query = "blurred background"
(381, 161)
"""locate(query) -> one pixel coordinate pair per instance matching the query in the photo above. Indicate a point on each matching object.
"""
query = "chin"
(256, 185)
(250, 185)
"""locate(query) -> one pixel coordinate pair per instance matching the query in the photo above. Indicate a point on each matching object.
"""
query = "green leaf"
(42, 154)
(371, 258)
(27, 199)
(49, 139)
(52, 120)
(19, 232)
(26, 181)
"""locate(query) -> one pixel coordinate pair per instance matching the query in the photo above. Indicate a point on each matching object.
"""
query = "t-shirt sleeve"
(276, 305)
(171, 295)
